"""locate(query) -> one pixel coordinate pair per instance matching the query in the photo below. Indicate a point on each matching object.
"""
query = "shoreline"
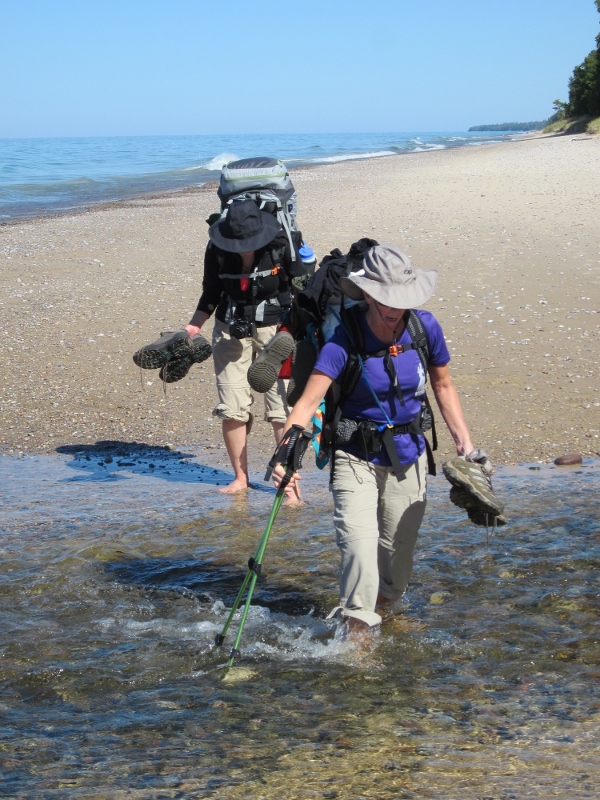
(81, 292)
(209, 186)
(212, 185)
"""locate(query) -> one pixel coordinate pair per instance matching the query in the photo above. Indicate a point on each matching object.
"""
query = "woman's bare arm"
(196, 322)
(449, 404)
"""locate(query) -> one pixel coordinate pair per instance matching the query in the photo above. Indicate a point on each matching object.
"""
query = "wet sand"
(511, 228)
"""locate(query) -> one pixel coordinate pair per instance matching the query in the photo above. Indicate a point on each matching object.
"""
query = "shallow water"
(116, 576)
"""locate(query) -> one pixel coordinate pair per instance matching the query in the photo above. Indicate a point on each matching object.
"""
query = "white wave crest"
(217, 163)
(346, 157)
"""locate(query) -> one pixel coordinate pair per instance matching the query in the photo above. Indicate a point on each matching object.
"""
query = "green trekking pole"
(289, 452)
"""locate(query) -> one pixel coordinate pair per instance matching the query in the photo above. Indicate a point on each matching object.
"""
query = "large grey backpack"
(268, 183)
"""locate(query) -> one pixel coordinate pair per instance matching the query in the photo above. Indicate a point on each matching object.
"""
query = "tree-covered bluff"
(512, 126)
(584, 96)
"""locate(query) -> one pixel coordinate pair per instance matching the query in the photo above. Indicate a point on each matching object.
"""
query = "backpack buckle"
(396, 349)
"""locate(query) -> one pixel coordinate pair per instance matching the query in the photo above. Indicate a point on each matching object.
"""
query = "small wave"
(427, 147)
(481, 142)
(351, 156)
(41, 190)
(217, 163)
(33, 186)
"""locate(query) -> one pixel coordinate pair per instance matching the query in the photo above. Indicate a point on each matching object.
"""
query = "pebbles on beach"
(511, 228)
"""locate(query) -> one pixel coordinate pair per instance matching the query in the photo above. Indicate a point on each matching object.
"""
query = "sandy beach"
(511, 228)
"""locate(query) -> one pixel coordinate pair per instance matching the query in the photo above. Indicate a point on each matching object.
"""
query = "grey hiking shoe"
(157, 354)
(305, 358)
(264, 370)
(463, 499)
(179, 365)
(474, 481)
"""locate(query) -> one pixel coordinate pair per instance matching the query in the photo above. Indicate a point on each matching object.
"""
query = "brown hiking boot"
(179, 365)
(157, 354)
(264, 370)
(305, 358)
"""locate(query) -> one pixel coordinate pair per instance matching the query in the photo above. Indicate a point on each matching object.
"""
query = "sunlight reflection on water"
(115, 584)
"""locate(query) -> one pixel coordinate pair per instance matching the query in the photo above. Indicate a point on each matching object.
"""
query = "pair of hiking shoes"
(472, 488)
(173, 353)
(265, 368)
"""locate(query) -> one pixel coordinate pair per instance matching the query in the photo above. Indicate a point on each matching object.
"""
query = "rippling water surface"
(119, 564)
(41, 176)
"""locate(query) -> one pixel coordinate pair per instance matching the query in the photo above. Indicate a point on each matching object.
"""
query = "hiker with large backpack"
(246, 284)
(379, 453)
(252, 266)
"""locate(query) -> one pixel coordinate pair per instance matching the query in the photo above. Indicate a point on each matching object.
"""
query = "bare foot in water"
(359, 632)
(384, 606)
(238, 485)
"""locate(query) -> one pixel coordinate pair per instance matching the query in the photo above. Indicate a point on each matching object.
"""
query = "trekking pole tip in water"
(289, 452)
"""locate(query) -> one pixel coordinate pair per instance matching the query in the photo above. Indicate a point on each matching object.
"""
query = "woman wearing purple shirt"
(379, 502)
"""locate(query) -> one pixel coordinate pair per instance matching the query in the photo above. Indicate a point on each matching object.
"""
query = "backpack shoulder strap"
(418, 334)
(349, 377)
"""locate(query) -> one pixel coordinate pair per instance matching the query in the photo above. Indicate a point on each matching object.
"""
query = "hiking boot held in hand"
(475, 481)
(157, 354)
(463, 499)
(264, 370)
(179, 365)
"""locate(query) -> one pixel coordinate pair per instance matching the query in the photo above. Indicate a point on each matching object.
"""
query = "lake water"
(42, 176)
(119, 563)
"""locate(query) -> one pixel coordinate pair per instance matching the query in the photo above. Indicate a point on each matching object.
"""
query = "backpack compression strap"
(250, 275)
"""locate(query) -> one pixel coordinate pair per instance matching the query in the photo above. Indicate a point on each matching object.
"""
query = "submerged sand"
(513, 230)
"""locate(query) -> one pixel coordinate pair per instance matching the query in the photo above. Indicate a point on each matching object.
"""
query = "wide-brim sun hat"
(245, 227)
(389, 277)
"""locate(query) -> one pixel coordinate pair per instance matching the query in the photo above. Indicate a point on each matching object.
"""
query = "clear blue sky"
(134, 67)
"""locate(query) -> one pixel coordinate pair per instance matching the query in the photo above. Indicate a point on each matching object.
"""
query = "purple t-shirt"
(411, 377)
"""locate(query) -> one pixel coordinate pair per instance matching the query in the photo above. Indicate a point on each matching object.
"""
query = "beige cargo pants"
(232, 357)
(377, 520)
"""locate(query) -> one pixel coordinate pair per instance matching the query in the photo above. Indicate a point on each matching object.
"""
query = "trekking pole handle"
(294, 452)
(297, 447)
(290, 451)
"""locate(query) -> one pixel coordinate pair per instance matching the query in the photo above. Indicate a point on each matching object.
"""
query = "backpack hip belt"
(255, 312)
(372, 437)
(369, 434)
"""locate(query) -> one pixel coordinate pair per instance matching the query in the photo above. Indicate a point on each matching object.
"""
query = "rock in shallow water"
(438, 598)
(568, 460)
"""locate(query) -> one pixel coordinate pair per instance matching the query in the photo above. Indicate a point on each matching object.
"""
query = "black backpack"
(311, 305)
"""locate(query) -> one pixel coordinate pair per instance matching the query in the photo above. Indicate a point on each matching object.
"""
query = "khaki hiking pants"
(232, 358)
(377, 520)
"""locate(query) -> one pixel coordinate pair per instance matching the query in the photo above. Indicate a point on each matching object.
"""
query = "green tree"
(560, 109)
(584, 84)
(584, 96)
